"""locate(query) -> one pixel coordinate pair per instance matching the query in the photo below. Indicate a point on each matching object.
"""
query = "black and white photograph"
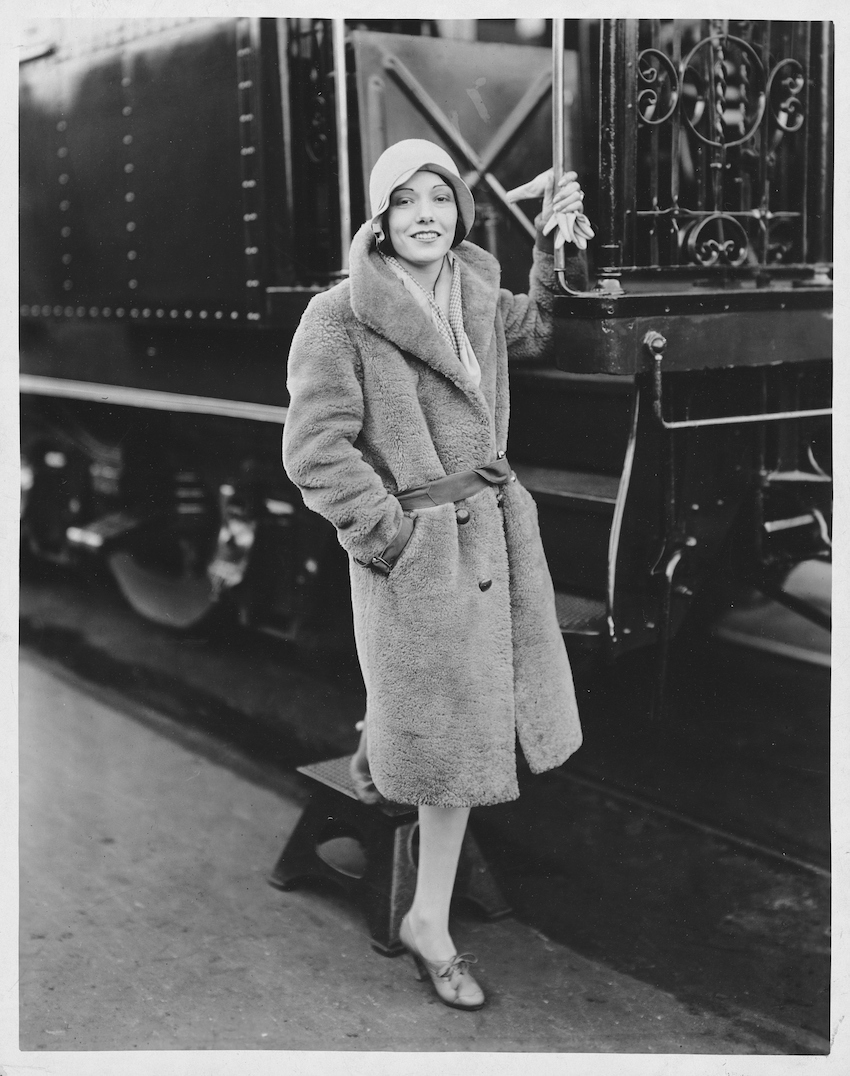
(418, 618)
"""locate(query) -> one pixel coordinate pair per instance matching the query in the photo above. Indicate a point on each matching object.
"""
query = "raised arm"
(529, 327)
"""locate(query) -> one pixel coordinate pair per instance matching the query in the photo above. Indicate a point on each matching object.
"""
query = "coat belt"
(453, 487)
(456, 487)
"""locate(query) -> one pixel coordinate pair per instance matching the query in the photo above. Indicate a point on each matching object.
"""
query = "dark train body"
(187, 186)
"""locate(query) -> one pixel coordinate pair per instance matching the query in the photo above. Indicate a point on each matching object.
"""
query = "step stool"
(383, 878)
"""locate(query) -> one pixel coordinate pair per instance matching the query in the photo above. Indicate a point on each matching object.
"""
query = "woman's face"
(421, 220)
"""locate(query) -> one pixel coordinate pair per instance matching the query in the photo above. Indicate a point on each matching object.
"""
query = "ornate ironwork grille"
(716, 145)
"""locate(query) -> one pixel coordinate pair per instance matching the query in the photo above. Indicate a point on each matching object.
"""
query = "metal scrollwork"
(658, 94)
(718, 239)
(739, 87)
(784, 87)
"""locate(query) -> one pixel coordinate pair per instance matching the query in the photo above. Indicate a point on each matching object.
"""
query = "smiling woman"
(421, 223)
(397, 433)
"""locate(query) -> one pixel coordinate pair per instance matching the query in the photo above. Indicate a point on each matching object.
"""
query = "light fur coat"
(455, 674)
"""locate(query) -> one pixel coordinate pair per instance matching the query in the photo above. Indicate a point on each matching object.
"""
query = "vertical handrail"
(558, 119)
(342, 139)
(282, 26)
(608, 251)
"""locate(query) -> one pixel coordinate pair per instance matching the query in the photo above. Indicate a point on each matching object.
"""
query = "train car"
(187, 185)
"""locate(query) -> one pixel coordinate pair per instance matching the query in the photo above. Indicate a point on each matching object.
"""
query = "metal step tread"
(562, 381)
(600, 489)
(580, 615)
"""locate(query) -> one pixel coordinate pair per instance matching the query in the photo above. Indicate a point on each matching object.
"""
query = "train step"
(577, 421)
(575, 510)
(579, 615)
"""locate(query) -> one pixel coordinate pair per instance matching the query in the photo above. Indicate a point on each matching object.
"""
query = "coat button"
(462, 515)
(485, 584)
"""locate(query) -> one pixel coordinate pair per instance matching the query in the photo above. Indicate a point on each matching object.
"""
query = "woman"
(397, 432)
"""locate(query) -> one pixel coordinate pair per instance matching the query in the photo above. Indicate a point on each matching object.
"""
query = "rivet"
(251, 250)
(119, 313)
(203, 313)
(129, 168)
(69, 311)
(246, 85)
(234, 315)
(134, 313)
(126, 111)
(62, 151)
(690, 541)
(129, 197)
(65, 232)
(66, 259)
(146, 313)
(247, 217)
(45, 310)
(57, 310)
(132, 283)
(187, 313)
(93, 311)
(131, 225)
(174, 313)
(160, 313)
(107, 311)
(131, 254)
(694, 507)
(127, 140)
(63, 178)
(627, 631)
(81, 311)
(64, 205)
(67, 284)
(485, 584)
(249, 183)
(25, 311)
(62, 125)
(126, 81)
(246, 117)
(151, 352)
(252, 283)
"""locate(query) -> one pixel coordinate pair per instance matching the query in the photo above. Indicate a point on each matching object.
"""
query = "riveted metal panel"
(132, 148)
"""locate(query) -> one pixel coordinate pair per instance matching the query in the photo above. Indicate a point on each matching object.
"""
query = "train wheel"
(163, 573)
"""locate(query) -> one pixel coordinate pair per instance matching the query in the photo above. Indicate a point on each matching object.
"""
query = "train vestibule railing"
(713, 294)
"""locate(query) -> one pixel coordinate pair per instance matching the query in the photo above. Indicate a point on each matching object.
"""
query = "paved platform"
(147, 924)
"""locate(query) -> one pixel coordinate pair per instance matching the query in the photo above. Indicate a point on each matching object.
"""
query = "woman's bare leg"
(441, 831)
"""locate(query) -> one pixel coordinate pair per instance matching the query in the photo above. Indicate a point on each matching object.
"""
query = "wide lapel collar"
(480, 274)
(379, 300)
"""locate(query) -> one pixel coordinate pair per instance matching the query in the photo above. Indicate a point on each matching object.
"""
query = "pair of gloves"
(562, 208)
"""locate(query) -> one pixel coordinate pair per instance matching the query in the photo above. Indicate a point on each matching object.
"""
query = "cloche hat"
(399, 162)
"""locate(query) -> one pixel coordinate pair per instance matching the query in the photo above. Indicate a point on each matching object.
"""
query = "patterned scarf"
(451, 327)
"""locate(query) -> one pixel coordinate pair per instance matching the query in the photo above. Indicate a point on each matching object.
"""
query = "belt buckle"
(381, 566)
